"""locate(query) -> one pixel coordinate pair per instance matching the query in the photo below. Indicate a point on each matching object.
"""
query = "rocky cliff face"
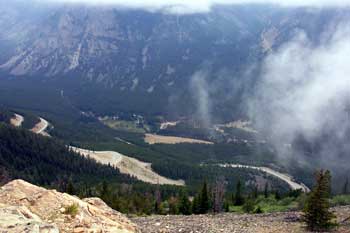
(135, 48)
(109, 60)
(27, 208)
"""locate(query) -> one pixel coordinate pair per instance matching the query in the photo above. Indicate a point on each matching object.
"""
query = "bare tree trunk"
(219, 194)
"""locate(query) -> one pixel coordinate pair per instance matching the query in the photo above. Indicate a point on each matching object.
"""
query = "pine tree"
(277, 195)
(255, 192)
(175, 204)
(266, 190)
(317, 215)
(185, 204)
(239, 200)
(346, 188)
(158, 201)
(249, 205)
(204, 199)
(4, 176)
(70, 188)
(196, 205)
(226, 206)
(105, 193)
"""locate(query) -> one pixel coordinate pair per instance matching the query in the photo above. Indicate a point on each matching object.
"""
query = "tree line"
(49, 163)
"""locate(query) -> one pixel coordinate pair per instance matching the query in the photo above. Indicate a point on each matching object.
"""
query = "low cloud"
(304, 90)
(200, 91)
(195, 6)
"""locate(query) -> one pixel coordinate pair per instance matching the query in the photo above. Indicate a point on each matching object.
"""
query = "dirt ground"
(17, 120)
(289, 222)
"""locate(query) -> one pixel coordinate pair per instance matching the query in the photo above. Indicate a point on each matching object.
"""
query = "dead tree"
(219, 194)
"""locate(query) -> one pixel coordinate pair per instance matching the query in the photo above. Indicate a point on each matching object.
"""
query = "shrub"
(248, 206)
(340, 200)
(72, 210)
(258, 210)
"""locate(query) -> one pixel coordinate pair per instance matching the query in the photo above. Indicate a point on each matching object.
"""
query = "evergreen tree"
(70, 188)
(255, 192)
(185, 204)
(174, 206)
(317, 215)
(158, 201)
(105, 193)
(346, 188)
(226, 206)
(4, 176)
(277, 195)
(196, 205)
(266, 190)
(249, 205)
(204, 199)
(239, 200)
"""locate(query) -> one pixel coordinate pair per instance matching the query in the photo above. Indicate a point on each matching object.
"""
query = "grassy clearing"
(129, 126)
(340, 200)
(271, 204)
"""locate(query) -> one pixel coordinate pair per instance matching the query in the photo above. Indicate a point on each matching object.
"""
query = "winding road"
(143, 171)
(125, 164)
(285, 177)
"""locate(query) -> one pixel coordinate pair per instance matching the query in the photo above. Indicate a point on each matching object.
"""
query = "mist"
(200, 91)
(304, 92)
(197, 6)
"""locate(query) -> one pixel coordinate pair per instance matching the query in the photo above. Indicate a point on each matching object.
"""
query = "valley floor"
(230, 223)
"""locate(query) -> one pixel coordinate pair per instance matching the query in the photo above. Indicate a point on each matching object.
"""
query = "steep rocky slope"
(28, 208)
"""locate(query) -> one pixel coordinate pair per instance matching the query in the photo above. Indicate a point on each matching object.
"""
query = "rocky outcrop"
(28, 208)
(14, 219)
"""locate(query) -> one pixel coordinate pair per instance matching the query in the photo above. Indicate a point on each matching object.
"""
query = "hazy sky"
(183, 6)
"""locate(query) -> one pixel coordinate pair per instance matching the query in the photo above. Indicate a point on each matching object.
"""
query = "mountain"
(106, 76)
(129, 59)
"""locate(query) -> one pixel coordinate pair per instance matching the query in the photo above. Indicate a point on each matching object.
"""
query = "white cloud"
(191, 6)
(305, 89)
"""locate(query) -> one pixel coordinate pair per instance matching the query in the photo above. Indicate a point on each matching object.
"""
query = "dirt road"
(285, 177)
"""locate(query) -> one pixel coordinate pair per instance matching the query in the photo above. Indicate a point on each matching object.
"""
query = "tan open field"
(154, 139)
